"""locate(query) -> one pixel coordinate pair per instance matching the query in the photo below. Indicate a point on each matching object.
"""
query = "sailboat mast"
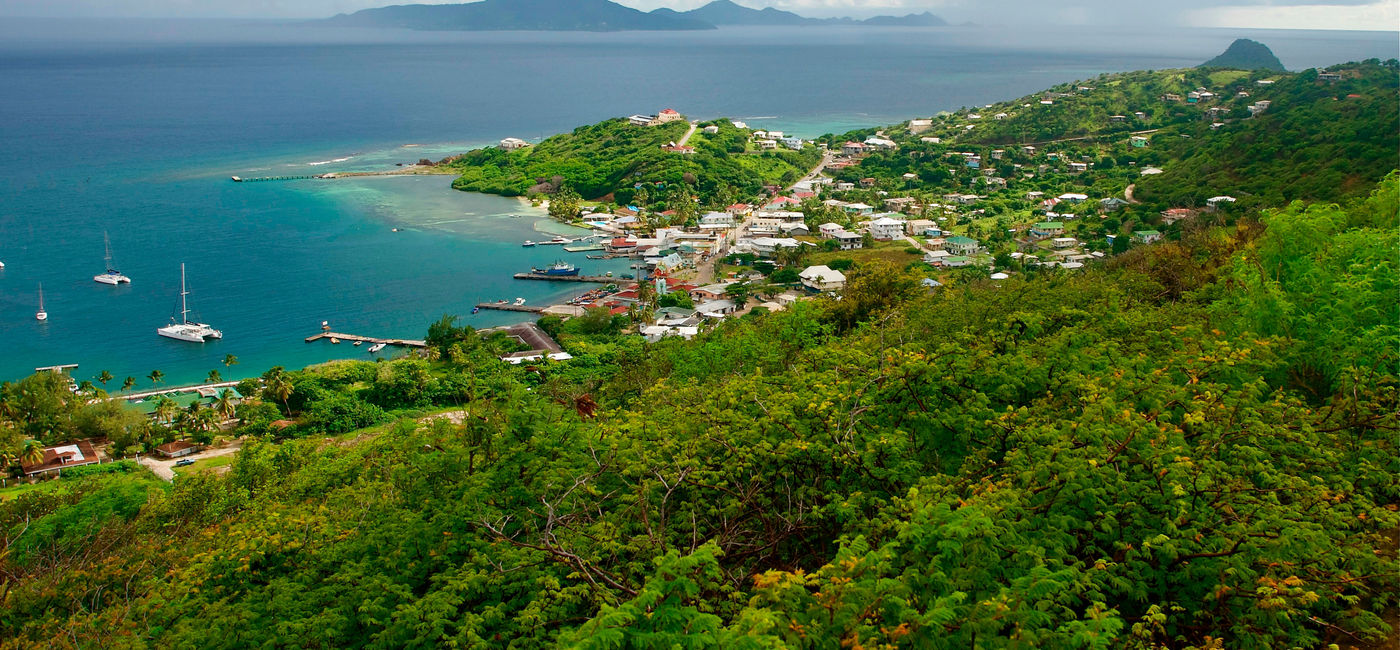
(184, 307)
(107, 242)
(41, 296)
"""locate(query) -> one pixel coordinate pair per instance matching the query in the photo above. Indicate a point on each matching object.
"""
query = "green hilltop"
(1190, 443)
(1245, 54)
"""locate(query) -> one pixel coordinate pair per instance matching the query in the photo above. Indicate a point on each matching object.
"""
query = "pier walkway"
(408, 343)
(599, 279)
(505, 306)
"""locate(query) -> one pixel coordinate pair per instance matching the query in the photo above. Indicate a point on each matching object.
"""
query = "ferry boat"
(112, 276)
(184, 329)
(557, 268)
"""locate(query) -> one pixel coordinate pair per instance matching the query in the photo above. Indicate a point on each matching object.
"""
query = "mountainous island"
(1245, 54)
(1111, 365)
(593, 15)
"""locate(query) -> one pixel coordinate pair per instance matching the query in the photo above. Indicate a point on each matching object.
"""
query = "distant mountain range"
(595, 16)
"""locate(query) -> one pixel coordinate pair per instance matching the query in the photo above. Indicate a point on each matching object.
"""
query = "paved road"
(821, 167)
(1128, 193)
(168, 391)
(687, 135)
(165, 469)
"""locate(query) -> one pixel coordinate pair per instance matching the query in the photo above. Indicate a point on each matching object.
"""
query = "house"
(1072, 197)
(1174, 215)
(710, 291)
(768, 145)
(640, 120)
(828, 230)
(936, 257)
(675, 148)
(1147, 236)
(1141, 116)
(1047, 229)
(886, 228)
(770, 245)
(909, 176)
(740, 209)
(1328, 76)
(1117, 118)
(717, 220)
(668, 115)
(848, 240)
(961, 199)
(998, 154)
(1151, 171)
(177, 449)
(1112, 203)
(919, 126)
(797, 229)
(958, 245)
(956, 261)
(1171, 97)
(823, 278)
(858, 208)
(1028, 150)
(994, 181)
(919, 226)
(845, 187)
(1213, 203)
(654, 333)
(882, 144)
(59, 457)
(868, 182)
(1259, 107)
(901, 203)
(511, 144)
(1078, 167)
(1035, 196)
(1064, 242)
(794, 143)
(711, 130)
(931, 140)
(852, 149)
(781, 202)
(717, 308)
(1000, 116)
(620, 245)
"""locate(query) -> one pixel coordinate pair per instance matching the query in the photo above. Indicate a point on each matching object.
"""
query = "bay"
(134, 127)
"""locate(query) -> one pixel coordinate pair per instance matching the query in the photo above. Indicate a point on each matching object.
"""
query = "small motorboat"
(376, 347)
(359, 343)
(519, 302)
(475, 309)
(527, 244)
(335, 341)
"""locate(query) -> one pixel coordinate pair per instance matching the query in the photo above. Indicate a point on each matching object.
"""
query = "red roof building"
(58, 457)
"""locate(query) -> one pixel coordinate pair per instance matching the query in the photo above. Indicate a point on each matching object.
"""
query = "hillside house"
(1215, 202)
(1073, 197)
(511, 144)
(1138, 141)
(848, 241)
(1174, 215)
(1064, 242)
(1047, 229)
(60, 457)
(858, 208)
(1112, 203)
(853, 149)
(958, 245)
(177, 449)
(1147, 236)
(823, 278)
(919, 126)
(886, 229)
(828, 230)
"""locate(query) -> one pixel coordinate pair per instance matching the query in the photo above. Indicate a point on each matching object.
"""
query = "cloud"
(1379, 16)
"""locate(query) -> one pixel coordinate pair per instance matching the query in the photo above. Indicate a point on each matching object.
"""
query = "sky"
(1382, 15)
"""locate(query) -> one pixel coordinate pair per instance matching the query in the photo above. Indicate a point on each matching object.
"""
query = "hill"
(613, 158)
(726, 12)
(539, 15)
(1245, 54)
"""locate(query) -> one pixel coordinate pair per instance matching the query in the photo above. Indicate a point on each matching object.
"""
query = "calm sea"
(134, 128)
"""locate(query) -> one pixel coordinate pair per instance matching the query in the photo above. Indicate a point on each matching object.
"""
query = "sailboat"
(112, 276)
(41, 314)
(184, 329)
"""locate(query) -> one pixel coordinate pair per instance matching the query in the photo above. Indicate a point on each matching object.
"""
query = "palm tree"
(225, 405)
(165, 409)
(281, 388)
(156, 377)
(230, 360)
(215, 377)
(104, 377)
(86, 387)
(32, 452)
(129, 383)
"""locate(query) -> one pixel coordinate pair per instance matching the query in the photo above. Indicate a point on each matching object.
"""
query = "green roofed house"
(958, 245)
(1147, 236)
(1048, 229)
(205, 396)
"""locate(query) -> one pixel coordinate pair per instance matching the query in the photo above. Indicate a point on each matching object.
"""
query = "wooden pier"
(599, 279)
(505, 306)
(407, 343)
(260, 179)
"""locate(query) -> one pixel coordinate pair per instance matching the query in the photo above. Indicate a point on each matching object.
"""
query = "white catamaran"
(184, 329)
(112, 276)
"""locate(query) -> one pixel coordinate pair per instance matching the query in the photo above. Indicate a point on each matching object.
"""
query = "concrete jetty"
(505, 306)
(598, 279)
(407, 343)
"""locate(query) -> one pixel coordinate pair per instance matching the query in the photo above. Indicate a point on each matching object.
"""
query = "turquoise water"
(135, 129)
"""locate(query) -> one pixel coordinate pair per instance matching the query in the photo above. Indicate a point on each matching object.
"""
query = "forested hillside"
(1191, 446)
(614, 157)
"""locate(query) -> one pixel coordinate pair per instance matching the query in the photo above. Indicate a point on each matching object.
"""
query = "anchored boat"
(112, 276)
(557, 268)
(184, 329)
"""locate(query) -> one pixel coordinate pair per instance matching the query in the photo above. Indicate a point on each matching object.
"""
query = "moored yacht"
(41, 314)
(112, 276)
(183, 329)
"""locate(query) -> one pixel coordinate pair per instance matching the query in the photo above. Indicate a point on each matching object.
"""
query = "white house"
(886, 228)
(511, 144)
(823, 278)
(848, 240)
(717, 220)
(1215, 202)
(717, 308)
(880, 143)
(828, 230)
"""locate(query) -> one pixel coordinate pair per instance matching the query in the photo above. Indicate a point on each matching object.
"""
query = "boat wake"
(327, 162)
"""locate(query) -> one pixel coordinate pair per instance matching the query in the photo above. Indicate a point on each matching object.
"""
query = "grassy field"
(15, 488)
(204, 465)
(895, 252)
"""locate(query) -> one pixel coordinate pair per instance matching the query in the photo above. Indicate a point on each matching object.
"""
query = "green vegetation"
(1245, 54)
(1191, 446)
(612, 160)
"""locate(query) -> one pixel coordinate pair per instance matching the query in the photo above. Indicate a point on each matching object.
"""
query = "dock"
(599, 279)
(505, 306)
(407, 343)
(583, 249)
(262, 179)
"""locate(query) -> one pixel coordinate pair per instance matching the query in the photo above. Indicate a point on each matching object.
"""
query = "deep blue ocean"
(135, 127)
